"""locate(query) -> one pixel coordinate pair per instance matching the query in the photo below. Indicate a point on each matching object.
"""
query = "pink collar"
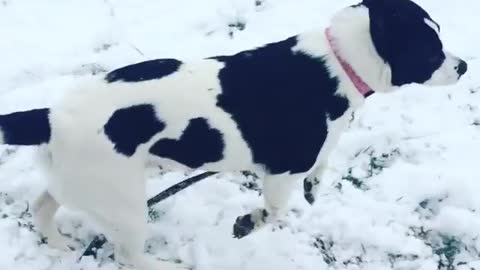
(361, 85)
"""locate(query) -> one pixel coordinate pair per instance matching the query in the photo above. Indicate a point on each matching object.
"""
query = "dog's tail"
(25, 128)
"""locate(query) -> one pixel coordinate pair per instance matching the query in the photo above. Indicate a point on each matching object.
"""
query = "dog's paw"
(309, 198)
(246, 224)
(54, 240)
(310, 189)
(243, 226)
(164, 265)
(145, 262)
(152, 264)
(59, 244)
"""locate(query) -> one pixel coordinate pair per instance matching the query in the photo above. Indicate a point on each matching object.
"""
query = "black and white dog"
(277, 110)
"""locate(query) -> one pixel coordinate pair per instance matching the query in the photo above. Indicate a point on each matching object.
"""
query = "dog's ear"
(379, 26)
(370, 3)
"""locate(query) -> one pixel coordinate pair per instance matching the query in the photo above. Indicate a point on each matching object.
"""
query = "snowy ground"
(401, 191)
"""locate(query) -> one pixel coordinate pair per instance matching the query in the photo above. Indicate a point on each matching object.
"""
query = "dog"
(276, 110)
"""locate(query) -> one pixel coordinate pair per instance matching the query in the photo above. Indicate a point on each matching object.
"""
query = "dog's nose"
(462, 68)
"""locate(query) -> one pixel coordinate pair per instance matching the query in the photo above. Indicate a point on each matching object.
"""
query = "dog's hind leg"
(277, 190)
(44, 210)
(123, 211)
(129, 240)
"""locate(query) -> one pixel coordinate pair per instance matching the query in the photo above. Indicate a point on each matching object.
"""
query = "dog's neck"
(363, 88)
(350, 33)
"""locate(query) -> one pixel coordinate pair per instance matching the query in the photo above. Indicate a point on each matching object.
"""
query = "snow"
(401, 191)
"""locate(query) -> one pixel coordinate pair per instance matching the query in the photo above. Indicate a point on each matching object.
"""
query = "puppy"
(277, 110)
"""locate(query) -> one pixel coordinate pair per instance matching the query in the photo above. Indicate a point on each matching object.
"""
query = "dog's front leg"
(312, 182)
(277, 190)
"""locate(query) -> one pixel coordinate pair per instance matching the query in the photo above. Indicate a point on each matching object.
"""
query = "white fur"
(447, 73)
(351, 30)
(81, 161)
(433, 25)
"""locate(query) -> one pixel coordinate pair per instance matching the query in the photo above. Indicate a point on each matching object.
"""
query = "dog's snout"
(462, 67)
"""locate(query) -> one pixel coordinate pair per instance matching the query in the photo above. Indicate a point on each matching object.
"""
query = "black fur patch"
(199, 144)
(404, 41)
(26, 128)
(144, 71)
(281, 101)
(129, 127)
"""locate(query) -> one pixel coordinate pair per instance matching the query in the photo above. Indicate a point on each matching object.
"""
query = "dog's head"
(393, 43)
(408, 39)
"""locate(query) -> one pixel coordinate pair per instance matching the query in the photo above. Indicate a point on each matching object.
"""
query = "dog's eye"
(435, 59)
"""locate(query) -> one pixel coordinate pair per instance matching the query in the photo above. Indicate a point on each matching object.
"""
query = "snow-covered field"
(402, 190)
